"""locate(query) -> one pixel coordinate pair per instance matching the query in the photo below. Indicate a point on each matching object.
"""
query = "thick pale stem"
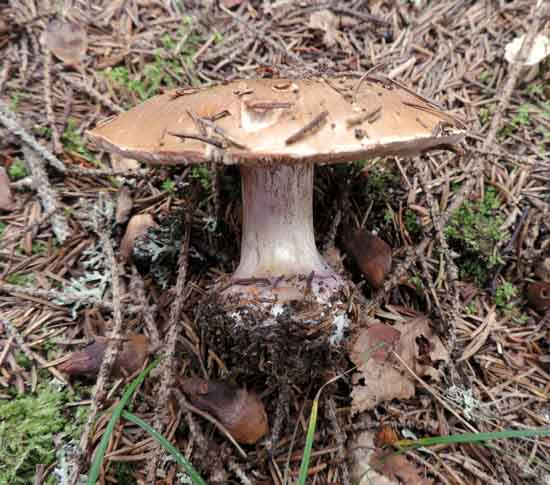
(278, 239)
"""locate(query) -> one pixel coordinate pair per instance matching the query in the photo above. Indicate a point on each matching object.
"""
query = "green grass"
(119, 411)
(404, 445)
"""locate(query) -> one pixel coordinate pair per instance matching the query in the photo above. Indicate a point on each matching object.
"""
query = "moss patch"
(28, 425)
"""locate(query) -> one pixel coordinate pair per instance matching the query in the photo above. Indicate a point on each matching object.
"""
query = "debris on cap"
(67, 41)
(265, 121)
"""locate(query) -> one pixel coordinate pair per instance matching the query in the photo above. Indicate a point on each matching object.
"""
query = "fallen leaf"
(326, 21)
(396, 467)
(372, 255)
(121, 164)
(124, 205)
(239, 410)
(67, 41)
(539, 51)
(538, 295)
(86, 362)
(362, 472)
(138, 226)
(6, 199)
(381, 377)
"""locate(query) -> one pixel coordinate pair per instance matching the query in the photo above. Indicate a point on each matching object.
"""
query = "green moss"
(73, 141)
(17, 169)
(412, 223)
(202, 174)
(20, 279)
(473, 232)
(162, 70)
(28, 425)
(504, 294)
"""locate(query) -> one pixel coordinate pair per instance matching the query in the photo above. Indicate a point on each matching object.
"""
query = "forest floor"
(469, 232)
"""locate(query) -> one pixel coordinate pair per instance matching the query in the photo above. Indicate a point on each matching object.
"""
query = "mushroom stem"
(278, 239)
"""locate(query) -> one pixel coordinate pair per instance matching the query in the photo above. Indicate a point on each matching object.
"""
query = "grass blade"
(180, 459)
(115, 416)
(304, 466)
(471, 438)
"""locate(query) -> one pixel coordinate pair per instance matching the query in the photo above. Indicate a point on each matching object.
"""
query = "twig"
(48, 196)
(81, 85)
(137, 289)
(31, 227)
(65, 297)
(7, 118)
(340, 439)
(111, 352)
(174, 329)
(50, 116)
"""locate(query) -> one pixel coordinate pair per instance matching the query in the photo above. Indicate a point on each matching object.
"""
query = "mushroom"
(277, 130)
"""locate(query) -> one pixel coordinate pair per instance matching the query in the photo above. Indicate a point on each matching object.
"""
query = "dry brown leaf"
(326, 21)
(87, 361)
(6, 199)
(124, 205)
(67, 41)
(239, 410)
(138, 226)
(396, 466)
(362, 472)
(121, 164)
(381, 378)
(480, 336)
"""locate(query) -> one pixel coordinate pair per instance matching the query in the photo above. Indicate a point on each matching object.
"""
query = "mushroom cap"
(266, 121)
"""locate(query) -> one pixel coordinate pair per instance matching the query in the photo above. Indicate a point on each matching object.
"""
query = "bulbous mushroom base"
(300, 343)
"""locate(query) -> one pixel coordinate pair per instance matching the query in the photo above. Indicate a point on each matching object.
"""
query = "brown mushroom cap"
(263, 121)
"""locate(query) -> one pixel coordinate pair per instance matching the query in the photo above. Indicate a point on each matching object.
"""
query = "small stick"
(50, 116)
(93, 93)
(226, 136)
(47, 195)
(111, 352)
(204, 139)
(268, 105)
(7, 118)
(314, 124)
(370, 116)
(174, 329)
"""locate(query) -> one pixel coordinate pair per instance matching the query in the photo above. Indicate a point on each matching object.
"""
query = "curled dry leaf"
(124, 205)
(542, 269)
(381, 377)
(240, 411)
(67, 41)
(539, 51)
(372, 255)
(538, 295)
(326, 21)
(6, 199)
(138, 226)
(86, 362)
(372, 465)
(121, 164)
